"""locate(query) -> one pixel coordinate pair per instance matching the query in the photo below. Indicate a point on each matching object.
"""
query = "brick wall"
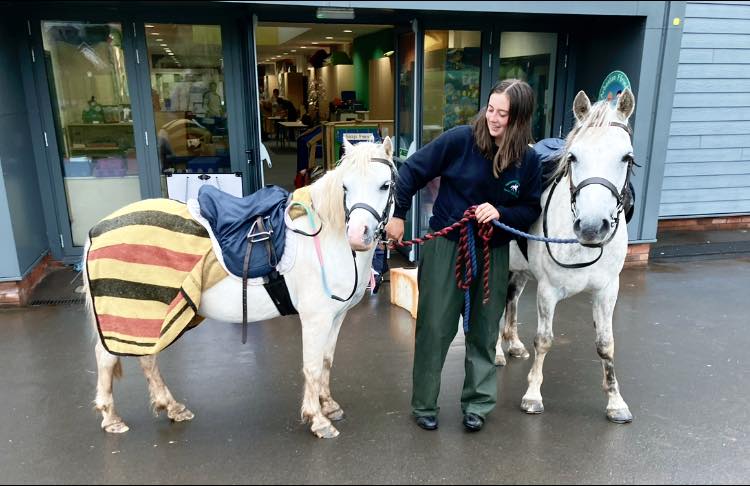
(702, 224)
(17, 293)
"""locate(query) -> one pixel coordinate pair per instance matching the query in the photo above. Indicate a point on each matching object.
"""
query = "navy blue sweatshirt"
(466, 179)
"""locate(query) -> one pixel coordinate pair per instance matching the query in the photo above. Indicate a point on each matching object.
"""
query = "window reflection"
(91, 109)
(530, 56)
(188, 97)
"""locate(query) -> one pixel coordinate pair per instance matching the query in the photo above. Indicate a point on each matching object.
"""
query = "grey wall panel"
(678, 169)
(699, 25)
(702, 155)
(24, 203)
(708, 181)
(716, 41)
(8, 262)
(718, 10)
(711, 114)
(707, 208)
(713, 85)
(19, 176)
(713, 71)
(711, 99)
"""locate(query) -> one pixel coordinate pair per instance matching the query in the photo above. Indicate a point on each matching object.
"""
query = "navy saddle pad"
(234, 220)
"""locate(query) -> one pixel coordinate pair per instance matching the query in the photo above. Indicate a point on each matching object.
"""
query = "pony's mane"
(328, 192)
(601, 114)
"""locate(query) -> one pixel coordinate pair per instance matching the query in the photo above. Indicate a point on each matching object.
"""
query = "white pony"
(353, 203)
(587, 205)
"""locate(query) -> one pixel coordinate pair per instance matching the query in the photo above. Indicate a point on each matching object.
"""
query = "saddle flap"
(233, 221)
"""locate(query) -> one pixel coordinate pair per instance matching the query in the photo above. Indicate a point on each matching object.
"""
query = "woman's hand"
(394, 230)
(486, 212)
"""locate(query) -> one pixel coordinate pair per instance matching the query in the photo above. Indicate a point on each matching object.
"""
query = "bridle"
(575, 189)
(382, 219)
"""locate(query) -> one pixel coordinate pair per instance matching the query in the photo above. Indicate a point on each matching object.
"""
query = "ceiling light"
(303, 47)
(164, 45)
(154, 33)
(159, 40)
(294, 50)
(149, 26)
(348, 31)
(314, 43)
(329, 37)
(388, 54)
(335, 13)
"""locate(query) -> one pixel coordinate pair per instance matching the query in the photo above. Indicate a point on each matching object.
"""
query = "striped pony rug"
(147, 266)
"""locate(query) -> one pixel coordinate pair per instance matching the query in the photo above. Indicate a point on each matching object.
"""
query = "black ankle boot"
(428, 422)
(473, 422)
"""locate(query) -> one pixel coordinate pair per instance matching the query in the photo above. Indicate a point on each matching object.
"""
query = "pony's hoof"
(620, 416)
(518, 352)
(532, 406)
(328, 432)
(336, 415)
(116, 428)
(181, 415)
(500, 359)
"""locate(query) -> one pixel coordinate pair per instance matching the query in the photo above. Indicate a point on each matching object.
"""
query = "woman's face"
(498, 110)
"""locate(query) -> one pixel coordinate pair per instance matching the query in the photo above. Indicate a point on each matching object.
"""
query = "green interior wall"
(364, 49)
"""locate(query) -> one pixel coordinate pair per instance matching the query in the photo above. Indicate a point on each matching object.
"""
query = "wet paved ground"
(682, 339)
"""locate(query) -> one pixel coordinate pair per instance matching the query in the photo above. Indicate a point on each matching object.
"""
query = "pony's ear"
(347, 146)
(581, 106)
(626, 104)
(388, 147)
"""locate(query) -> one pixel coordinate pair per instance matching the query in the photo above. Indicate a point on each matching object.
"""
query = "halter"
(382, 219)
(574, 190)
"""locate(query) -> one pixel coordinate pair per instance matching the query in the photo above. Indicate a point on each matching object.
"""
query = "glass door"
(84, 64)
(451, 91)
(531, 57)
(188, 97)
(408, 114)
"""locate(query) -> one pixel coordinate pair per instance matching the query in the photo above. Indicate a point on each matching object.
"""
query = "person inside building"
(287, 109)
(488, 164)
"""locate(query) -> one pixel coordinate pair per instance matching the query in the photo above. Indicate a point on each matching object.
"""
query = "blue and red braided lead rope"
(466, 261)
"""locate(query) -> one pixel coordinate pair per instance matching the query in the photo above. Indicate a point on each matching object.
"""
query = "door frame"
(132, 21)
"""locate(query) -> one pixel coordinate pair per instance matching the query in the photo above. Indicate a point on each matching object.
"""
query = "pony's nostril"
(577, 225)
(605, 226)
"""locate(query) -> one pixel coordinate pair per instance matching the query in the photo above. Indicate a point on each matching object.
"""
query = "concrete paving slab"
(682, 340)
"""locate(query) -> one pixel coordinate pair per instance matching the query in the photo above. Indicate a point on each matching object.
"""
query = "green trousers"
(441, 303)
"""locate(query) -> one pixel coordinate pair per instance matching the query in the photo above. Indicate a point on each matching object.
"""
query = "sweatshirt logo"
(512, 188)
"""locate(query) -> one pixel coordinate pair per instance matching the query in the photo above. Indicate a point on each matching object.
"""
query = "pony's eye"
(345, 189)
(385, 186)
(572, 158)
(628, 159)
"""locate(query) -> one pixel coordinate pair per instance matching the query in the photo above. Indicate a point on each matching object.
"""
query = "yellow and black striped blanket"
(147, 266)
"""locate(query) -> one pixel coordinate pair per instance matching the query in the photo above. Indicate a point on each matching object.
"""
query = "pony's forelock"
(328, 191)
(599, 115)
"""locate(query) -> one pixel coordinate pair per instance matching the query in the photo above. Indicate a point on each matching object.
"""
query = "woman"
(488, 164)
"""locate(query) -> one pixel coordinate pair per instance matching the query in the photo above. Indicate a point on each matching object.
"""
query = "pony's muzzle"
(592, 232)
(360, 236)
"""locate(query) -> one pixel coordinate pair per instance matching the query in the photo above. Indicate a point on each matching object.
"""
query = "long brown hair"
(517, 134)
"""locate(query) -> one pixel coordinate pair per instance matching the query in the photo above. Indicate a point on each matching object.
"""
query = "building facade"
(110, 102)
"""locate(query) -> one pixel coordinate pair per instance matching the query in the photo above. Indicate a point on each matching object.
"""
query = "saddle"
(251, 233)
(257, 219)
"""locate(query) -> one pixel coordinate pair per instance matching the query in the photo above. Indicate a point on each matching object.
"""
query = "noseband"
(382, 219)
(575, 189)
